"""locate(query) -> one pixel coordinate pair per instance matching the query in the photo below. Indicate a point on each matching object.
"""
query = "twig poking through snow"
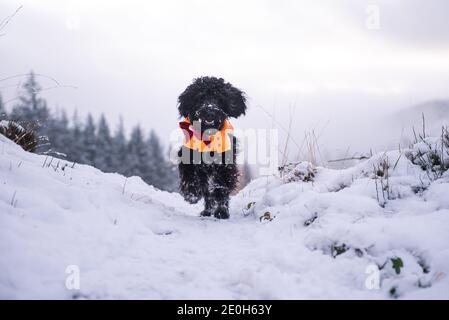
(13, 199)
(45, 162)
(350, 158)
(124, 186)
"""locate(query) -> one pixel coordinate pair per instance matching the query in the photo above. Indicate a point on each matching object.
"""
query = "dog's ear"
(237, 101)
(186, 101)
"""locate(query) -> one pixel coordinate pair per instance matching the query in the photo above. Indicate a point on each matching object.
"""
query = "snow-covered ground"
(286, 239)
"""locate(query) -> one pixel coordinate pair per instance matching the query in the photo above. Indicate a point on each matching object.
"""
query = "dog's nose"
(209, 116)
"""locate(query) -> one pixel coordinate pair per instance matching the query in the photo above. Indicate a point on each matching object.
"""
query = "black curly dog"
(210, 175)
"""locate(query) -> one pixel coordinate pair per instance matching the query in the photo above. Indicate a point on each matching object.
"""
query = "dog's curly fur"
(212, 99)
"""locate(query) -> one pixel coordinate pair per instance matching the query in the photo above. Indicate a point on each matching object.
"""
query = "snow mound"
(386, 214)
(303, 171)
(331, 236)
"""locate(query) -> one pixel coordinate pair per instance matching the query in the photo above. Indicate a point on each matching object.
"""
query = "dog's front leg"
(189, 182)
(209, 204)
(220, 196)
(224, 182)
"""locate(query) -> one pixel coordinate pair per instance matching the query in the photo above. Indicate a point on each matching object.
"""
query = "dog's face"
(209, 101)
(209, 116)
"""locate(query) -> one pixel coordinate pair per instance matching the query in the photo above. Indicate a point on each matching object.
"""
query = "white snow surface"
(131, 241)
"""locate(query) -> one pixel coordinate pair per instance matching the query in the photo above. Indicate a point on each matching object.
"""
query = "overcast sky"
(320, 62)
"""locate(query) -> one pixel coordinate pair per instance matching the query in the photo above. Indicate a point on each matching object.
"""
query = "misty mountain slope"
(286, 238)
(436, 115)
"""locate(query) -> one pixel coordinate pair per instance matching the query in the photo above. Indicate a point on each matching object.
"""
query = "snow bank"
(329, 236)
(399, 227)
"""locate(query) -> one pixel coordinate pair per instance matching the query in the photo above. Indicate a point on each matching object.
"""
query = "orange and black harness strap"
(218, 142)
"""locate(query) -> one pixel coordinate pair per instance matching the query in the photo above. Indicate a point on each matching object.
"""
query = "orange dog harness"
(218, 142)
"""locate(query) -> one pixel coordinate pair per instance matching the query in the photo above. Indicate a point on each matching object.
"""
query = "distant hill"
(387, 131)
(436, 114)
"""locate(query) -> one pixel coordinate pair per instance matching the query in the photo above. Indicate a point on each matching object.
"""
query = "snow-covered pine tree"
(104, 147)
(88, 138)
(173, 174)
(75, 144)
(119, 152)
(31, 109)
(137, 154)
(58, 133)
(3, 114)
(157, 174)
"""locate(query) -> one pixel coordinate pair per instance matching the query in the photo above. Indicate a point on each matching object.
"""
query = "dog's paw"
(221, 213)
(206, 213)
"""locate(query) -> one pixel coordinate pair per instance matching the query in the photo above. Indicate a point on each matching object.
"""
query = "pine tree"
(59, 134)
(137, 154)
(157, 174)
(3, 114)
(88, 138)
(31, 112)
(75, 144)
(31, 109)
(104, 149)
(172, 175)
(119, 152)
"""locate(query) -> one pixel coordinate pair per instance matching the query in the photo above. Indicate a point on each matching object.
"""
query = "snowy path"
(132, 241)
(185, 256)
